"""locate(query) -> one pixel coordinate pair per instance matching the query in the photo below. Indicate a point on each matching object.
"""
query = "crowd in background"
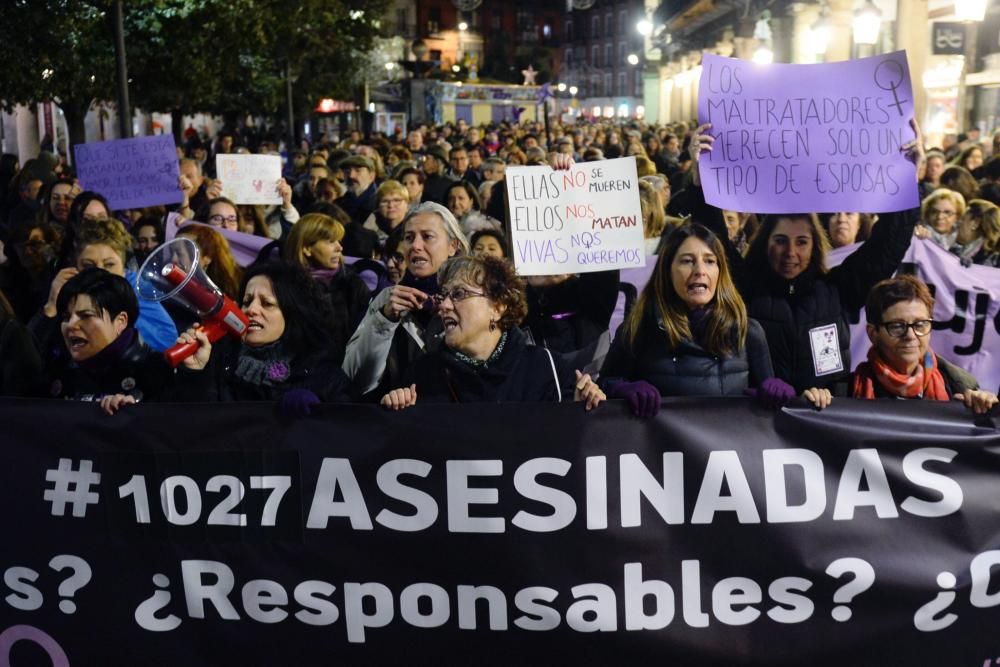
(388, 278)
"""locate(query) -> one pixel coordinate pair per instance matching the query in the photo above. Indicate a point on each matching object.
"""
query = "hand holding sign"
(787, 140)
(249, 179)
(580, 219)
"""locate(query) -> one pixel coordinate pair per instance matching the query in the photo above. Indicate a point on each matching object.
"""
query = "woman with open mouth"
(400, 324)
(688, 334)
(284, 355)
(104, 357)
(485, 356)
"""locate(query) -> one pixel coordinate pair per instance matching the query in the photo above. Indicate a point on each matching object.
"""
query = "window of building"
(608, 92)
(607, 55)
(622, 22)
(568, 30)
(595, 56)
(433, 19)
(595, 26)
(622, 85)
(609, 25)
(621, 53)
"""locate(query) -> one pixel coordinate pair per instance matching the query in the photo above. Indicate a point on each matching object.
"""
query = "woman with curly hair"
(485, 356)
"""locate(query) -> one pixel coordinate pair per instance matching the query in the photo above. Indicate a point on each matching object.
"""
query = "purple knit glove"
(297, 403)
(642, 397)
(773, 393)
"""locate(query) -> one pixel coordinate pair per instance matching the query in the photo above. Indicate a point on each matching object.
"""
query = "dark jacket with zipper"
(521, 373)
(689, 369)
(789, 309)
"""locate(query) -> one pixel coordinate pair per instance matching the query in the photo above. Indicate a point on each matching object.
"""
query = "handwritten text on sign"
(249, 179)
(575, 221)
(131, 173)
(793, 138)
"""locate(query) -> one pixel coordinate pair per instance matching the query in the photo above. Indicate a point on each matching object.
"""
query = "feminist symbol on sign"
(889, 76)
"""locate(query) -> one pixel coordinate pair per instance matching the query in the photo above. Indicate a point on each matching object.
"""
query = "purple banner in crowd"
(792, 138)
(131, 173)
(966, 311)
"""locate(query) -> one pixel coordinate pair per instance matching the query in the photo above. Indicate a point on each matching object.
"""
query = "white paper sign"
(249, 179)
(575, 221)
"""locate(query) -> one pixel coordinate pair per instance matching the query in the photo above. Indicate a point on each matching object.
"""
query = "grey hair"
(451, 226)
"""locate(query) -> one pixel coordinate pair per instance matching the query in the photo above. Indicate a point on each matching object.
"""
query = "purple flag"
(131, 173)
(800, 138)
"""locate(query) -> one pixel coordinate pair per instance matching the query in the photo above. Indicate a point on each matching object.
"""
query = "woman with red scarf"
(900, 362)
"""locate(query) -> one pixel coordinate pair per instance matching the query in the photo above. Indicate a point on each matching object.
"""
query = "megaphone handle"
(181, 351)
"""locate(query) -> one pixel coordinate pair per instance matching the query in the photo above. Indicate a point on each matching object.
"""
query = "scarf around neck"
(927, 382)
(268, 365)
(111, 353)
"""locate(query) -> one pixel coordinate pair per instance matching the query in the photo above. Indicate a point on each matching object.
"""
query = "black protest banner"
(717, 534)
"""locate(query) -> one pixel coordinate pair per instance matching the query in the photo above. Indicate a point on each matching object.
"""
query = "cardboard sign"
(800, 138)
(579, 220)
(131, 173)
(249, 179)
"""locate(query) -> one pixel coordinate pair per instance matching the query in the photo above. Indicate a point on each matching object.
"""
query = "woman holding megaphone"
(284, 354)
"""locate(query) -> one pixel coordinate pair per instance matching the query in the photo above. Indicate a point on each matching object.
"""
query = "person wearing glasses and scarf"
(485, 357)
(901, 363)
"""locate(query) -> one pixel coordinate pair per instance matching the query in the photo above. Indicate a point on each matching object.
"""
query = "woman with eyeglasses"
(485, 357)
(221, 212)
(392, 201)
(901, 363)
(939, 215)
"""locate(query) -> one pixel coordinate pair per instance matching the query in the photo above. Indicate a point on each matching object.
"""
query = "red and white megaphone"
(173, 272)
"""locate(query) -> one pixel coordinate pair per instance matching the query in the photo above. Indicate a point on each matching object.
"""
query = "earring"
(493, 325)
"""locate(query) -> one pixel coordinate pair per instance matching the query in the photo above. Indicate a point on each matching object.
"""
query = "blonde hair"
(957, 200)
(391, 187)
(104, 231)
(987, 214)
(654, 220)
(310, 228)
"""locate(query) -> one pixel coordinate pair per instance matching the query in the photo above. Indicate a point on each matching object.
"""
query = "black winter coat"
(219, 381)
(688, 370)
(522, 373)
(349, 296)
(789, 309)
(137, 371)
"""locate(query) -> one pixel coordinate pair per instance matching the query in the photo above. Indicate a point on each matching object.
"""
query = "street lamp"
(821, 31)
(561, 87)
(645, 27)
(970, 10)
(573, 90)
(866, 24)
(633, 59)
(463, 26)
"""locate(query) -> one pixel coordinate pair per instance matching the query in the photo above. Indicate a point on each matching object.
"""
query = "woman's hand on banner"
(978, 400)
(819, 397)
(401, 398)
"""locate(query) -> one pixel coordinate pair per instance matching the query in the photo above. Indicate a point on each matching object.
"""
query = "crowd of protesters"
(441, 315)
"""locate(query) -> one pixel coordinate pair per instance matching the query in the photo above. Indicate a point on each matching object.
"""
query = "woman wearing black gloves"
(284, 355)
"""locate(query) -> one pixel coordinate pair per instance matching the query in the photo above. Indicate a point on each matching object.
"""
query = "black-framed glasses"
(897, 328)
(456, 295)
(223, 219)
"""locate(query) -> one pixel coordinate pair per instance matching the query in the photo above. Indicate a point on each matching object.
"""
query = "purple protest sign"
(798, 138)
(131, 173)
